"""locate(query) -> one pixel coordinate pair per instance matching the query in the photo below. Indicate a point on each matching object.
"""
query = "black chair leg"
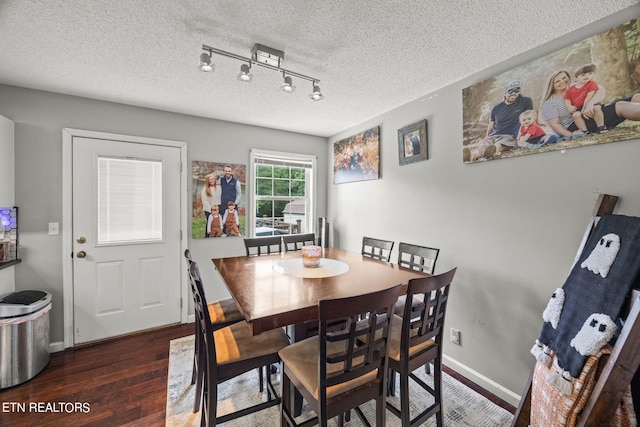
(194, 372)
(200, 378)
(404, 400)
(391, 383)
(196, 346)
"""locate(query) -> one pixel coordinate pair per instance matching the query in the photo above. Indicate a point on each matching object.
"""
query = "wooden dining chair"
(416, 340)
(263, 245)
(419, 258)
(295, 242)
(229, 352)
(222, 313)
(377, 248)
(415, 257)
(339, 370)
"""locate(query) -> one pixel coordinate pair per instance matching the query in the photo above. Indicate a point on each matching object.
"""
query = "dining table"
(277, 290)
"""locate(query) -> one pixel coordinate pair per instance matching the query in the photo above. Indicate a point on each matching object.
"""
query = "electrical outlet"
(455, 336)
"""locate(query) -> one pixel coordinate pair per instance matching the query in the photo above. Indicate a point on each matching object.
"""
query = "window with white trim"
(282, 199)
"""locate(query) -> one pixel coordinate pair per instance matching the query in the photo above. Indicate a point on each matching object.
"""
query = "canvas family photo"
(357, 158)
(585, 94)
(218, 199)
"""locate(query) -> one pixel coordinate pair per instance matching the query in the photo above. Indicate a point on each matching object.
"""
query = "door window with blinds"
(282, 199)
(129, 200)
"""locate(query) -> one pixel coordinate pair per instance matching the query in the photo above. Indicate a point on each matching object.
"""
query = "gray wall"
(7, 275)
(511, 226)
(39, 118)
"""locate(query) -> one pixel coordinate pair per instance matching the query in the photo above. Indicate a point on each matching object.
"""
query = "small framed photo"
(412, 143)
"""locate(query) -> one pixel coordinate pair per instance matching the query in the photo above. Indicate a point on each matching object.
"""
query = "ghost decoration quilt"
(584, 315)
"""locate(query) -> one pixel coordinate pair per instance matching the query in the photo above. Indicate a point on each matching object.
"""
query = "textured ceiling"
(371, 56)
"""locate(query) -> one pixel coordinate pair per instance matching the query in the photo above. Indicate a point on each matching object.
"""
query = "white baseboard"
(55, 347)
(482, 381)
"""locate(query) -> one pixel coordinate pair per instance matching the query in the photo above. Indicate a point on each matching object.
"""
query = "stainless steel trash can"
(24, 336)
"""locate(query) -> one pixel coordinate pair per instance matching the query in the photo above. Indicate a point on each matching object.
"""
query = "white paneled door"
(126, 237)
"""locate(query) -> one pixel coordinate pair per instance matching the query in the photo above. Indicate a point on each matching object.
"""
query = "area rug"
(462, 405)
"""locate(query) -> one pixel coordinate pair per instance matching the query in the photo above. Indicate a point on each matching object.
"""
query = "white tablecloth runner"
(327, 268)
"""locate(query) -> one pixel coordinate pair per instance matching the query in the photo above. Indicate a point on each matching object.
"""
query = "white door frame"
(67, 217)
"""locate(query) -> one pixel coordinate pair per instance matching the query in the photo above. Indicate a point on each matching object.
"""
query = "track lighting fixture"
(265, 57)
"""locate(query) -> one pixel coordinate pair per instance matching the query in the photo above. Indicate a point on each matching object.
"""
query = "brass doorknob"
(81, 239)
(81, 254)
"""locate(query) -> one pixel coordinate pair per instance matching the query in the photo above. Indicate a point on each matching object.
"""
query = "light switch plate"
(54, 228)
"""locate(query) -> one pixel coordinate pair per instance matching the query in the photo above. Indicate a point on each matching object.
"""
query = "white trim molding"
(67, 219)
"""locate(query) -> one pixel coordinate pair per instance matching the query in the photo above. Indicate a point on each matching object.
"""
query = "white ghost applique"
(603, 255)
(596, 331)
(552, 313)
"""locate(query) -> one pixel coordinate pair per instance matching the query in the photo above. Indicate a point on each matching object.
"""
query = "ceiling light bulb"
(316, 95)
(287, 86)
(205, 63)
(245, 75)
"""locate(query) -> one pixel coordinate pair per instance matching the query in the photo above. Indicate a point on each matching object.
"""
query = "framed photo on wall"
(412, 143)
(585, 94)
(357, 158)
(218, 199)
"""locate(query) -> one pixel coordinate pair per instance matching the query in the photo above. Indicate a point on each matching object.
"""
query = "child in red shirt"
(531, 133)
(580, 93)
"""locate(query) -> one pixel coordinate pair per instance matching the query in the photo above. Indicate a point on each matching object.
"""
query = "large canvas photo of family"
(218, 199)
(585, 94)
(357, 158)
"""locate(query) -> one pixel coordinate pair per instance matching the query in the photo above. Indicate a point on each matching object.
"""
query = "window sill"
(5, 264)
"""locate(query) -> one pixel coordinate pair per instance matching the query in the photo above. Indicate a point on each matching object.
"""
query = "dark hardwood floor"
(120, 382)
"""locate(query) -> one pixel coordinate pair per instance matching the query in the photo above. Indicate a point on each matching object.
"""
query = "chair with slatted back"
(295, 242)
(228, 352)
(420, 258)
(416, 339)
(339, 370)
(263, 245)
(377, 248)
(222, 313)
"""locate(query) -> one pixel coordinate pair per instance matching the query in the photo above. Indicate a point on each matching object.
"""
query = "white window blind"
(129, 200)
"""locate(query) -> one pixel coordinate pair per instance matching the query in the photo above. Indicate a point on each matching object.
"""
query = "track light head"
(287, 86)
(316, 95)
(245, 74)
(205, 63)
